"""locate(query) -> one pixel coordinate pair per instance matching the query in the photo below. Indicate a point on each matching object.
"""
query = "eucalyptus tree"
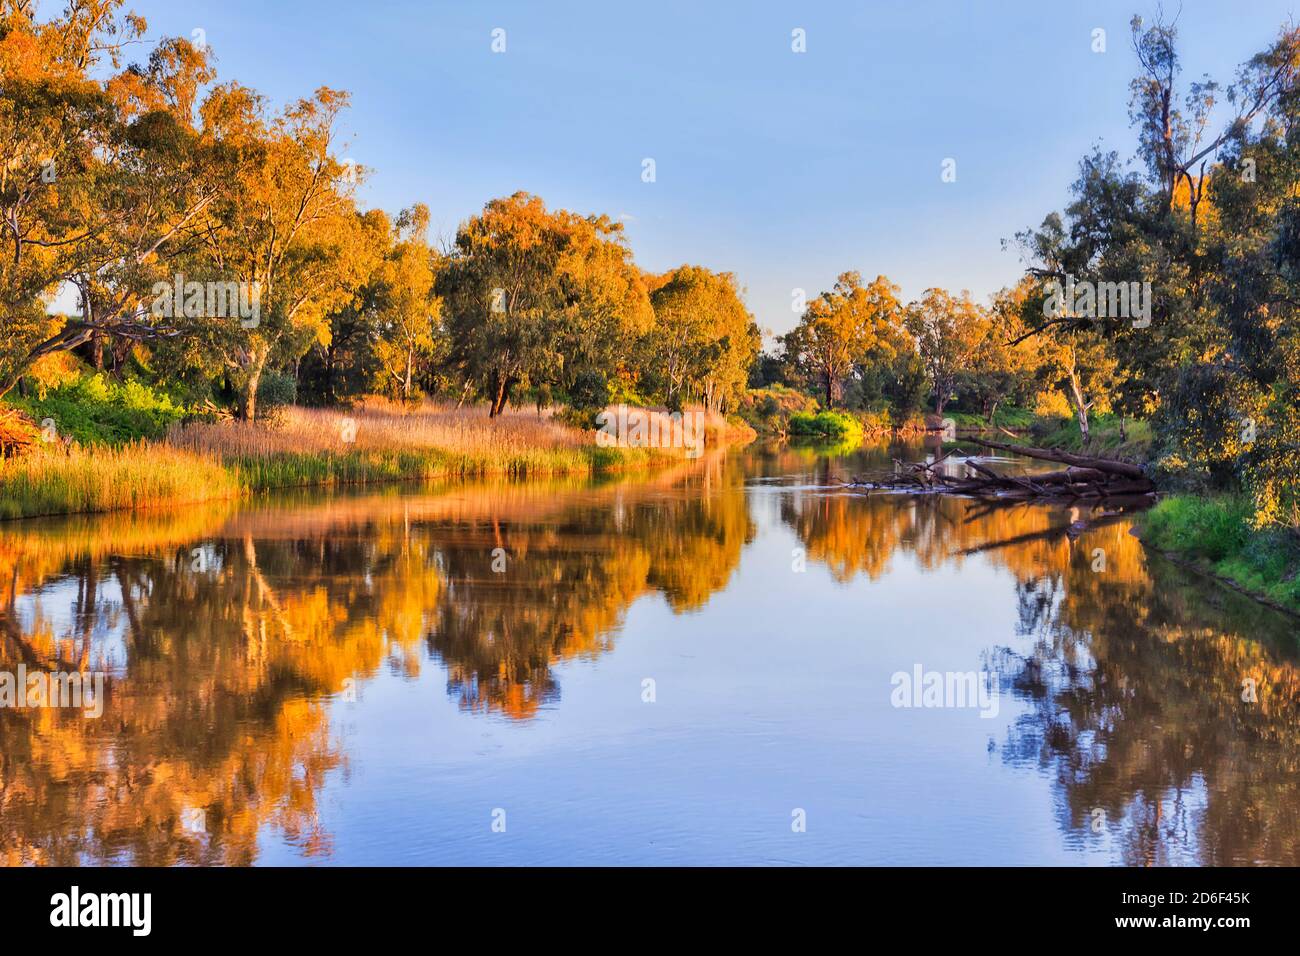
(536, 297)
(844, 327)
(704, 340)
(103, 179)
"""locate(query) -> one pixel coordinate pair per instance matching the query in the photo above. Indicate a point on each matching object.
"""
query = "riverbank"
(1215, 537)
(1212, 535)
(310, 447)
(779, 412)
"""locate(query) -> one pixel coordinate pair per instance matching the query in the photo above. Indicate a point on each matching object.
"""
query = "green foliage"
(95, 410)
(905, 384)
(590, 390)
(1212, 528)
(532, 296)
(275, 390)
(850, 326)
(583, 419)
(826, 426)
(1108, 434)
(620, 393)
(1220, 533)
(769, 370)
(948, 331)
(1007, 416)
(1211, 227)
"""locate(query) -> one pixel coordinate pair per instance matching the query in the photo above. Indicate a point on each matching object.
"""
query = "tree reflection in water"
(228, 632)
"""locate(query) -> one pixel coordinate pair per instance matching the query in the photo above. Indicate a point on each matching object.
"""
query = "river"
(737, 661)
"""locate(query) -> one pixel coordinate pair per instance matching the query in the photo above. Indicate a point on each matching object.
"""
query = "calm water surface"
(346, 679)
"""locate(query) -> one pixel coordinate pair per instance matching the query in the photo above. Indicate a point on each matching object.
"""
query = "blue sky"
(783, 168)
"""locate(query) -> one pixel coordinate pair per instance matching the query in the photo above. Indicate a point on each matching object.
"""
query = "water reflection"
(230, 634)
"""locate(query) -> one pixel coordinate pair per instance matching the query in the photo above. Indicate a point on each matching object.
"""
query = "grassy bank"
(294, 469)
(1008, 416)
(1215, 535)
(1107, 435)
(139, 475)
(382, 442)
(783, 412)
(377, 443)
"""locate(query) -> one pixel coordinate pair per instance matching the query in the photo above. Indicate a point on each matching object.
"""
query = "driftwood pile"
(1085, 477)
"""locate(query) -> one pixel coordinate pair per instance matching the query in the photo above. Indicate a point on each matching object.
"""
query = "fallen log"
(1108, 465)
(1070, 476)
(1086, 477)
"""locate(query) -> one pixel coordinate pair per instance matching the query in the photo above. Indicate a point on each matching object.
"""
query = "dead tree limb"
(1108, 465)
(1085, 477)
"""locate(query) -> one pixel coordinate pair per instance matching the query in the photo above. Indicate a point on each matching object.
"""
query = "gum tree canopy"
(535, 297)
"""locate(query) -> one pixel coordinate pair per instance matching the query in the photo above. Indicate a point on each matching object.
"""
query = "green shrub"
(1212, 528)
(826, 426)
(95, 410)
(581, 418)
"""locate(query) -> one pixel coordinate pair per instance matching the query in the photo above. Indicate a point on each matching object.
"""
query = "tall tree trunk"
(248, 402)
(710, 396)
(501, 397)
(120, 353)
(1079, 403)
(331, 395)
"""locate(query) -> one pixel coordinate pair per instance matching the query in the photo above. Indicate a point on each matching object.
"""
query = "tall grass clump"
(137, 475)
(381, 441)
(377, 442)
